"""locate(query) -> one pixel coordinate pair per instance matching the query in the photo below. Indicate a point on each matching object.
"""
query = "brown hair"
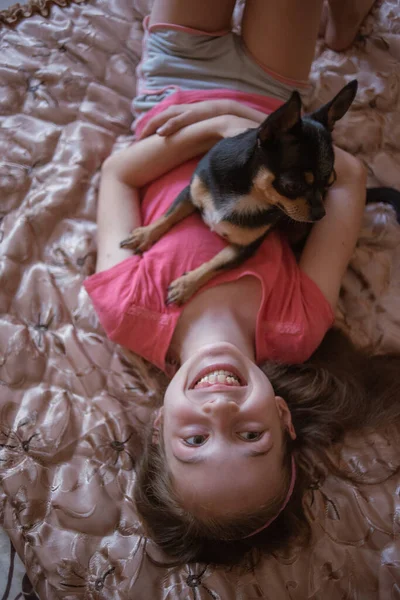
(337, 390)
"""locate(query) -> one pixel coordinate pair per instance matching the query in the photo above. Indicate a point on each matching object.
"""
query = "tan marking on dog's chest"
(202, 199)
(200, 194)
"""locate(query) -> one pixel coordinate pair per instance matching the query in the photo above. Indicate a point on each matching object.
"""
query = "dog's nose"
(317, 212)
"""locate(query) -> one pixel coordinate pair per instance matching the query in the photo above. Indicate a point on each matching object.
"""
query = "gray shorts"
(178, 58)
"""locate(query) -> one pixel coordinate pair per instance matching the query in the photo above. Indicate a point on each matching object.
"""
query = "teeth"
(224, 377)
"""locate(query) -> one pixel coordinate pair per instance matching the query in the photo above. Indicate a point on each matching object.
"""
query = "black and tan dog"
(245, 184)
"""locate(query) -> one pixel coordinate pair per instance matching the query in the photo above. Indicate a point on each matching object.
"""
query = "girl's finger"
(176, 123)
(151, 127)
(157, 121)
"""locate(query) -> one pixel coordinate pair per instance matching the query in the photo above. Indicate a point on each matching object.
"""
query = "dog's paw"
(139, 240)
(181, 290)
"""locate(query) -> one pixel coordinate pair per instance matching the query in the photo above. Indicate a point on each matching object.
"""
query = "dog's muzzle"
(317, 209)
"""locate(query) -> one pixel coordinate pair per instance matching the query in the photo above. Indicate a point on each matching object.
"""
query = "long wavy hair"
(339, 389)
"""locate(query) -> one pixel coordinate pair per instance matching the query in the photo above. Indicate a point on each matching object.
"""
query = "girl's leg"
(343, 20)
(282, 34)
(205, 15)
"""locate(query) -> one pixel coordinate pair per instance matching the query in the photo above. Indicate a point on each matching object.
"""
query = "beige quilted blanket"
(71, 402)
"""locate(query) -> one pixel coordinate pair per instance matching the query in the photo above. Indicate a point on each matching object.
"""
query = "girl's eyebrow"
(197, 459)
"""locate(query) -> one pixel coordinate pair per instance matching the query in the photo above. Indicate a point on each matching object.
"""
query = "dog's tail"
(387, 195)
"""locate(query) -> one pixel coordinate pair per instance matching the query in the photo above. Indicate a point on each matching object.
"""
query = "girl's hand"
(178, 116)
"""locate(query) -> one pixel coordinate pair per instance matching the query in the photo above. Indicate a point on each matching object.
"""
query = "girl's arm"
(175, 117)
(150, 158)
(332, 240)
(118, 211)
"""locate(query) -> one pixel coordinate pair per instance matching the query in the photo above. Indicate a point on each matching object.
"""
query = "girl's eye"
(195, 440)
(250, 436)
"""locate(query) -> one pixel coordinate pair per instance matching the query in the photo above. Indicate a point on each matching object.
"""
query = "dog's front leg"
(185, 286)
(142, 238)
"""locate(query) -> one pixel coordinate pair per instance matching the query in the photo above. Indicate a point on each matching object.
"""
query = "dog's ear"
(281, 120)
(336, 108)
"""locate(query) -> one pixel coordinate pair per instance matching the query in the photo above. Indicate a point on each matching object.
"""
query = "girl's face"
(223, 430)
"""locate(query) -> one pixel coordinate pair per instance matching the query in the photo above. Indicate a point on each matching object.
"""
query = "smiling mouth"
(221, 375)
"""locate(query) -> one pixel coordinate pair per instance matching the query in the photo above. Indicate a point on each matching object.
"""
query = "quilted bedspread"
(72, 402)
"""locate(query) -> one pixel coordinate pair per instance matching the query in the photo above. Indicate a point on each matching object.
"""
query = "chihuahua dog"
(247, 183)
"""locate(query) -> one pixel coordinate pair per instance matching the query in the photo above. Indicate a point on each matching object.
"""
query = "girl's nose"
(219, 404)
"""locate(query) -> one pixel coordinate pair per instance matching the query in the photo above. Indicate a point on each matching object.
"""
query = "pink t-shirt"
(129, 298)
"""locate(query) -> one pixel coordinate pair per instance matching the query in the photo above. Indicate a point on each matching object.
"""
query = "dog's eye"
(294, 189)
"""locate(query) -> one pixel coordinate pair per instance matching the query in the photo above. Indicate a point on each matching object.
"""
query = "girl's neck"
(218, 315)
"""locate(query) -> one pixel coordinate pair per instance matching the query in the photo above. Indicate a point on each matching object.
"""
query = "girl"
(219, 461)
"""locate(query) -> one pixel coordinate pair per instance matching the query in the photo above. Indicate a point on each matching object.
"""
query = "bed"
(72, 402)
